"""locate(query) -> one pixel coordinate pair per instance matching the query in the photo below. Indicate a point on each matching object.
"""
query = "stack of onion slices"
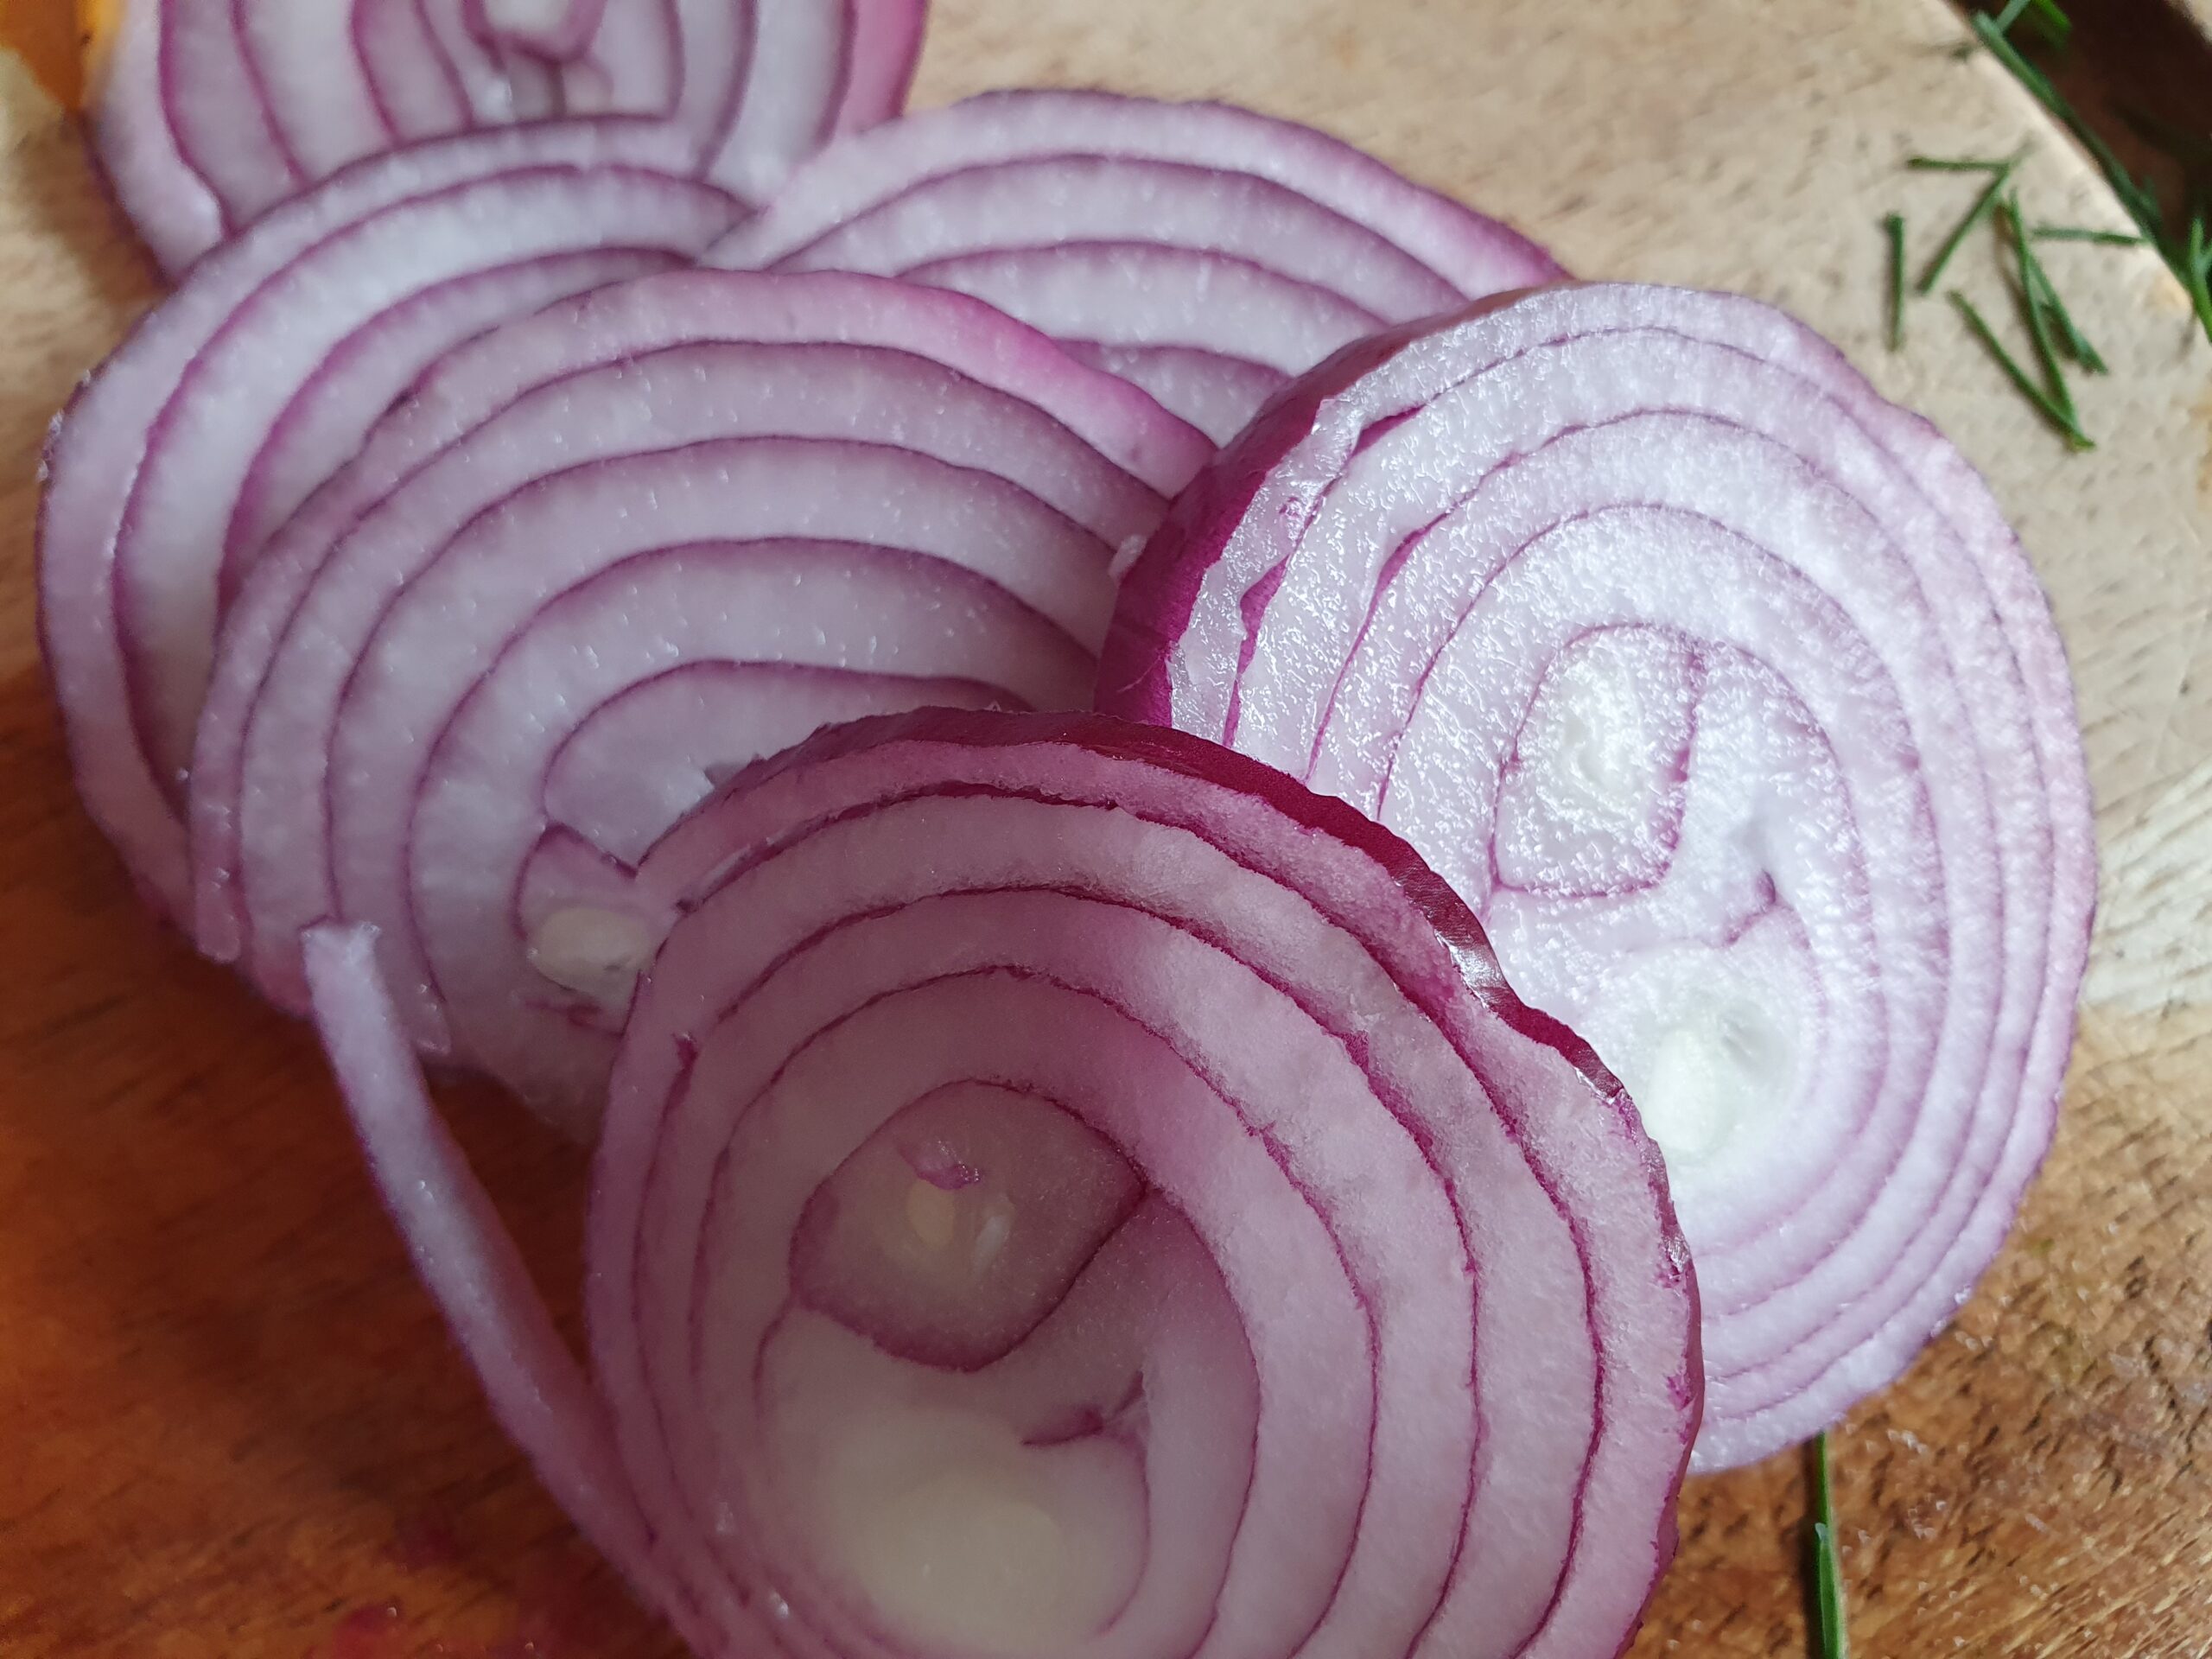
(1719, 688)
(1067, 1189)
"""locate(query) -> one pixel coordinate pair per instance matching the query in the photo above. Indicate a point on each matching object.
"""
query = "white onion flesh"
(259, 377)
(1720, 691)
(1067, 1191)
(1208, 253)
(213, 112)
(604, 553)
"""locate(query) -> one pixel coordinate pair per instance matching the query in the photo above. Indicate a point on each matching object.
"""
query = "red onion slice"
(836, 69)
(212, 92)
(558, 31)
(414, 90)
(330, 120)
(260, 377)
(1719, 688)
(454, 1234)
(757, 503)
(1214, 252)
(214, 110)
(176, 214)
(1067, 1189)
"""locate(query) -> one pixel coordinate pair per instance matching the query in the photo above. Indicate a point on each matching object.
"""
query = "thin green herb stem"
(2071, 340)
(1983, 204)
(1955, 163)
(2140, 200)
(2141, 203)
(2033, 299)
(2194, 277)
(2008, 54)
(2034, 394)
(1894, 224)
(2055, 23)
(1827, 1563)
(2080, 233)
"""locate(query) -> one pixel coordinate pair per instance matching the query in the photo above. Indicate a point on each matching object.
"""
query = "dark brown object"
(2139, 72)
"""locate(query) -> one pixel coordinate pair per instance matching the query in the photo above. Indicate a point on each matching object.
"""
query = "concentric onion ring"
(213, 112)
(605, 552)
(1719, 689)
(259, 377)
(1204, 251)
(1068, 1191)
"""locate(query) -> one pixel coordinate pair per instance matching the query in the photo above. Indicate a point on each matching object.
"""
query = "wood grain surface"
(229, 1424)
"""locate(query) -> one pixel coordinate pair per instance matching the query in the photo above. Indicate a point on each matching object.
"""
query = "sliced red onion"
(815, 71)
(321, 122)
(211, 90)
(602, 552)
(1719, 689)
(1207, 253)
(462, 1250)
(176, 214)
(260, 377)
(1297, 1291)
(215, 111)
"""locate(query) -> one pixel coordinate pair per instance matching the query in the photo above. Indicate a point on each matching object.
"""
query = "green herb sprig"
(2184, 249)
(1827, 1562)
(2039, 315)
(1893, 225)
(2049, 17)
(2195, 260)
(2141, 202)
(2081, 234)
(2071, 340)
(2047, 313)
(2050, 324)
(2060, 418)
(1984, 205)
(1954, 163)
(2058, 338)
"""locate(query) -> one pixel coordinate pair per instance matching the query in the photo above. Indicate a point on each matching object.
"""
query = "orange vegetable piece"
(59, 39)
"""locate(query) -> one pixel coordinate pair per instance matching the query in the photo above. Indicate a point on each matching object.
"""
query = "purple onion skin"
(1160, 590)
(1981, 635)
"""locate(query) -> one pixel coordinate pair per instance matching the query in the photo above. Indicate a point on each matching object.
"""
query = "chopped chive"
(2050, 21)
(2075, 437)
(2056, 25)
(2008, 54)
(1827, 1563)
(2140, 201)
(1954, 163)
(2031, 299)
(2194, 278)
(1982, 205)
(1991, 35)
(2071, 340)
(2079, 233)
(1894, 224)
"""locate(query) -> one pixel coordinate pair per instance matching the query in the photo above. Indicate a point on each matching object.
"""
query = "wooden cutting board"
(229, 1424)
